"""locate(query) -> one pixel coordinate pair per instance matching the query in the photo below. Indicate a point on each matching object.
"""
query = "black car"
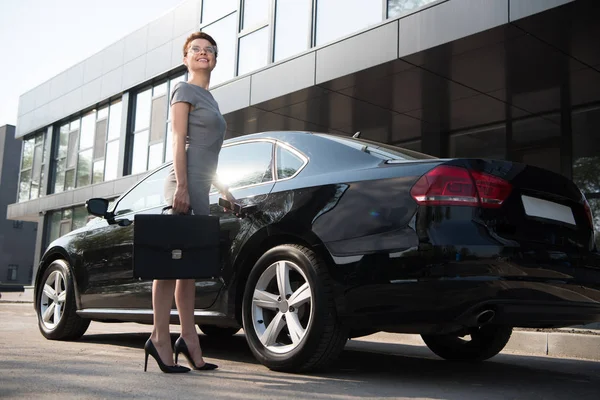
(349, 237)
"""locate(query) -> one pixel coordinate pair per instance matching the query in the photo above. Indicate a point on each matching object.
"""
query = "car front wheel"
(56, 308)
(289, 314)
(483, 343)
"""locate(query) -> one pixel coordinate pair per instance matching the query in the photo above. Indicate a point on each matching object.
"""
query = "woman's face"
(201, 55)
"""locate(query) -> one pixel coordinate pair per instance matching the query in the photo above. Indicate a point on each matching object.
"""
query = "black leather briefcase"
(176, 246)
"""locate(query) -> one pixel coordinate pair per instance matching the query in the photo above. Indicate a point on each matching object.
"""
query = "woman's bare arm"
(181, 199)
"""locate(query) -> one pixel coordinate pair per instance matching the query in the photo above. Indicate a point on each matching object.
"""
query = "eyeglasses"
(207, 49)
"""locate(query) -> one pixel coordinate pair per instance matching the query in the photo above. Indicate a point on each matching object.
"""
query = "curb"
(564, 342)
(529, 343)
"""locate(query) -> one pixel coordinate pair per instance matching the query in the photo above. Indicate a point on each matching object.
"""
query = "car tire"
(485, 343)
(304, 334)
(56, 307)
(218, 331)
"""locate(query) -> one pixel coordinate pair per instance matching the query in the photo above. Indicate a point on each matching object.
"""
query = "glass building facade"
(467, 98)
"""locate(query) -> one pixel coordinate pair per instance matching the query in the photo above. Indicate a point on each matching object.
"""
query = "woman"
(198, 132)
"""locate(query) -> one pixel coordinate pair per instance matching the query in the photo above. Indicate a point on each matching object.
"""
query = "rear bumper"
(451, 304)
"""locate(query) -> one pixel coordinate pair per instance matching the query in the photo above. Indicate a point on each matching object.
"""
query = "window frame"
(42, 145)
(273, 161)
(295, 152)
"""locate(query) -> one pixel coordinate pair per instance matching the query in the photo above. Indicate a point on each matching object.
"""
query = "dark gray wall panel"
(277, 81)
(359, 52)
(449, 21)
(524, 8)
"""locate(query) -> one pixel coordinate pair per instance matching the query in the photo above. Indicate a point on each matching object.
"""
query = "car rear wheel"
(485, 342)
(218, 331)
(289, 314)
(56, 308)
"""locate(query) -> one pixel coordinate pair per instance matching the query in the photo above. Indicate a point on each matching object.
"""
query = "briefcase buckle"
(176, 254)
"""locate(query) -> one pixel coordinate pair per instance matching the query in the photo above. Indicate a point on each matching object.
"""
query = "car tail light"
(448, 185)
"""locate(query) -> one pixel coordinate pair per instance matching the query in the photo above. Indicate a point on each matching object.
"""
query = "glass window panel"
(490, 143)
(74, 124)
(88, 125)
(35, 190)
(169, 152)
(37, 163)
(287, 163)
(595, 207)
(140, 152)
(72, 150)
(67, 213)
(25, 185)
(533, 130)
(65, 227)
(46, 145)
(159, 119)
(42, 184)
(59, 184)
(213, 9)
(114, 122)
(245, 164)
(254, 51)
(100, 140)
(63, 141)
(149, 193)
(356, 14)
(159, 89)
(80, 216)
(255, 12)
(112, 160)
(102, 113)
(55, 218)
(142, 110)
(39, 138)
(84, 168)
(27, 159)
(70, 179)
(399, 7)
(224, 32)
(98, 172)
(156, 156)
(292, 27)
(586, 151)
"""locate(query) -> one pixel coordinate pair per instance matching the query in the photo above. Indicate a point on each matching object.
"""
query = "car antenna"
(356, 135)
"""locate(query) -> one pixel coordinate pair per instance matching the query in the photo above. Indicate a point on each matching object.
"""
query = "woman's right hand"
(181, 200)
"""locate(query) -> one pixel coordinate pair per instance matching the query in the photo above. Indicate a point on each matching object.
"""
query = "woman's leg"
(185, 295)
(162, 301)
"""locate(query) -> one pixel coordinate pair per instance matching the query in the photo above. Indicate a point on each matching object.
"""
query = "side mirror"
(97, 207)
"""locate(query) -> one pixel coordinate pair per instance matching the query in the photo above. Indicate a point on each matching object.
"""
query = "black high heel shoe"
(181, 347)
(149, 349)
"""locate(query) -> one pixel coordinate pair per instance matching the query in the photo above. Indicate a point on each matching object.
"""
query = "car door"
(248, 170)
(108, 251)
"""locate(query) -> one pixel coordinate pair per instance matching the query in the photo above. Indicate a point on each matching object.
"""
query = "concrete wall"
(17, 239)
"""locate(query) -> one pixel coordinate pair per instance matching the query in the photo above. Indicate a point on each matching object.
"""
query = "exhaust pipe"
(484, 317)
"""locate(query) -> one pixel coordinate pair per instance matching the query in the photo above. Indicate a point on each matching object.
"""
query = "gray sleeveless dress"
(206, 131)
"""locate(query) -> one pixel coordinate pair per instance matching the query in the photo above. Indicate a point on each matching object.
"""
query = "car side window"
(246, 164)
(148, 193)
(288, 163)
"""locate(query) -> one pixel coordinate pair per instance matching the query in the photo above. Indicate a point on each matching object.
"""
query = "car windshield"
(384, 151)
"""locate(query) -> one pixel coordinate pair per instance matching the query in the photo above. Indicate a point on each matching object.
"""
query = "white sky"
(41, 38)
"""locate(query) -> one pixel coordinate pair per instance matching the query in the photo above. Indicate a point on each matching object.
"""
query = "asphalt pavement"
(107, 362)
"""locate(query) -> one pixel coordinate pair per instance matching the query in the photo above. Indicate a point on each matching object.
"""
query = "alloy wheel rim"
(52, 300)
(282, 307)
